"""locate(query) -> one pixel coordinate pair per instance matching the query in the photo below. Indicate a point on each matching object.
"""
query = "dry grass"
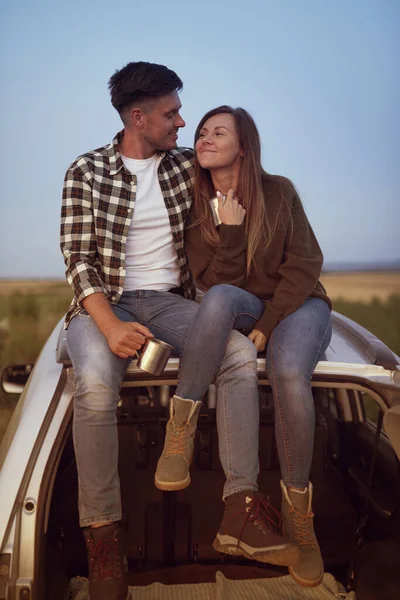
(362, 286)
(34, 286)
(354, 287)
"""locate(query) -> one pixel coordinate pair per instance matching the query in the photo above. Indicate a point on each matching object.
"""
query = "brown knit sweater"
(286, 272)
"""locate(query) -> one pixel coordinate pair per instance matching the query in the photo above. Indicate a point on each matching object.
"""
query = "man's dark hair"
(141, 81)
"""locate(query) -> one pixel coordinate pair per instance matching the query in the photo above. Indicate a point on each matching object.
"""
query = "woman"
(261, 266)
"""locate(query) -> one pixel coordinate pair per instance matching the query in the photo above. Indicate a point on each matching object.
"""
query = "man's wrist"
(101, 312)
(107, 324)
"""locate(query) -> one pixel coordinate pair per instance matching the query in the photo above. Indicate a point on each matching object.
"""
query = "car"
(355, 474)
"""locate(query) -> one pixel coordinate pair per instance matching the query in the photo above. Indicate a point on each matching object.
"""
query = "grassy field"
(362, 287)
(29, 310)
(34, 286)
(355, 287)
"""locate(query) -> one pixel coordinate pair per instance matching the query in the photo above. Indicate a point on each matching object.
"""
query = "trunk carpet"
(274, 588)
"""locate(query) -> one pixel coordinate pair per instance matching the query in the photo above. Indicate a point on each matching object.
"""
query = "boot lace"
(303, 528)
(178, 440)
(262, 514)
(104, 559)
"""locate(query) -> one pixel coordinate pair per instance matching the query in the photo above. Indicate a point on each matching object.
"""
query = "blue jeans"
(99, 373)
(294, 348)
(225, 308)
(297, 343)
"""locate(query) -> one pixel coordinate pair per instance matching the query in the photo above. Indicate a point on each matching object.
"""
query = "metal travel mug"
(154, 356)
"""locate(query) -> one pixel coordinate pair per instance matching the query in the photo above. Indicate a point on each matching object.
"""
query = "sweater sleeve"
(299, 270)
(224, 264)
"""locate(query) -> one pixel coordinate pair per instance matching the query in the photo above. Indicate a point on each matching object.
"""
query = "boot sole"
(282, 556)
(305, 582)
(172, 486)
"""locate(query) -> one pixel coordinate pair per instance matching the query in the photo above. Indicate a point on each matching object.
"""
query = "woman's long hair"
(258, 229)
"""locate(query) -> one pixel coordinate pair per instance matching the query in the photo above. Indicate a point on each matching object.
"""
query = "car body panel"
(27, 429)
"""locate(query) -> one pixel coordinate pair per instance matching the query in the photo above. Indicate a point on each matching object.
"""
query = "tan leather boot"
(173, 465)
(297, 521)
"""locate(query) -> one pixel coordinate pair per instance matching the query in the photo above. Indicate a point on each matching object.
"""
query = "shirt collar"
(114, 155)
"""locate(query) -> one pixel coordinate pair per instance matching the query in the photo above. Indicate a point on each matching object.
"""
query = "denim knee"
(96, 388)
(216, 303)
(289, 377)
(240, 354)
(219, 299)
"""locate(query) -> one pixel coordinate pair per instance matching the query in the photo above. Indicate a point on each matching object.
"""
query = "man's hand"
(125, 338)
(122, 337)
(258, 339)
(230, 211)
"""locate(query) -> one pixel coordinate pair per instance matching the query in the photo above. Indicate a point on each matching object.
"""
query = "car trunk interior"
(169, 535)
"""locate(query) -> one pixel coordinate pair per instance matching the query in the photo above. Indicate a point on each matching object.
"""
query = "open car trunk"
(169, 535)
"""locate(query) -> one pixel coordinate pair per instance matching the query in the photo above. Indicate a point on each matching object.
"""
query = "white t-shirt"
(151, 260)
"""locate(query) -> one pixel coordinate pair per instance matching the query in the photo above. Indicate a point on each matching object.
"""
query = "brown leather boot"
(107, 563)
(297, 518)
(250, 528)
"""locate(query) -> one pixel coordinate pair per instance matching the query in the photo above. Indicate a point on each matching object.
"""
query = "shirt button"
(132, 183)
(129, 210)
(121, 268)
(113, 298)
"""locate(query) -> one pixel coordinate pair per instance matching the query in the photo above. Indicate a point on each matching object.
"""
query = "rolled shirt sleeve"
(78, 241)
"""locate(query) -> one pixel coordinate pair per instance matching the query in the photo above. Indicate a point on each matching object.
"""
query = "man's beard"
(163, 145)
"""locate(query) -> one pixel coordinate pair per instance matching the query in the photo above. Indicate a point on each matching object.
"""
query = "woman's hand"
(258, 339)
(230, 212)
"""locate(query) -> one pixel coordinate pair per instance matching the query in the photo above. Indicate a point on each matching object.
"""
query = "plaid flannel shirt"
(98, 204)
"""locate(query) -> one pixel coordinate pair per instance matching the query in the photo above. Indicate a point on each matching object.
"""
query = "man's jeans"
(99, 373)
(296, 345)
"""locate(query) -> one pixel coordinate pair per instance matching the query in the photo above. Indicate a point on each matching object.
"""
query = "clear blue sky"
(320, 77)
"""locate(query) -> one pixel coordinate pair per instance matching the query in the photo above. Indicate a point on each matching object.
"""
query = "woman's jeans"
(98, 376)
(294, 348)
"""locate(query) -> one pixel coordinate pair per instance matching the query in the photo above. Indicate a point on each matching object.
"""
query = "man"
(123, 216)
